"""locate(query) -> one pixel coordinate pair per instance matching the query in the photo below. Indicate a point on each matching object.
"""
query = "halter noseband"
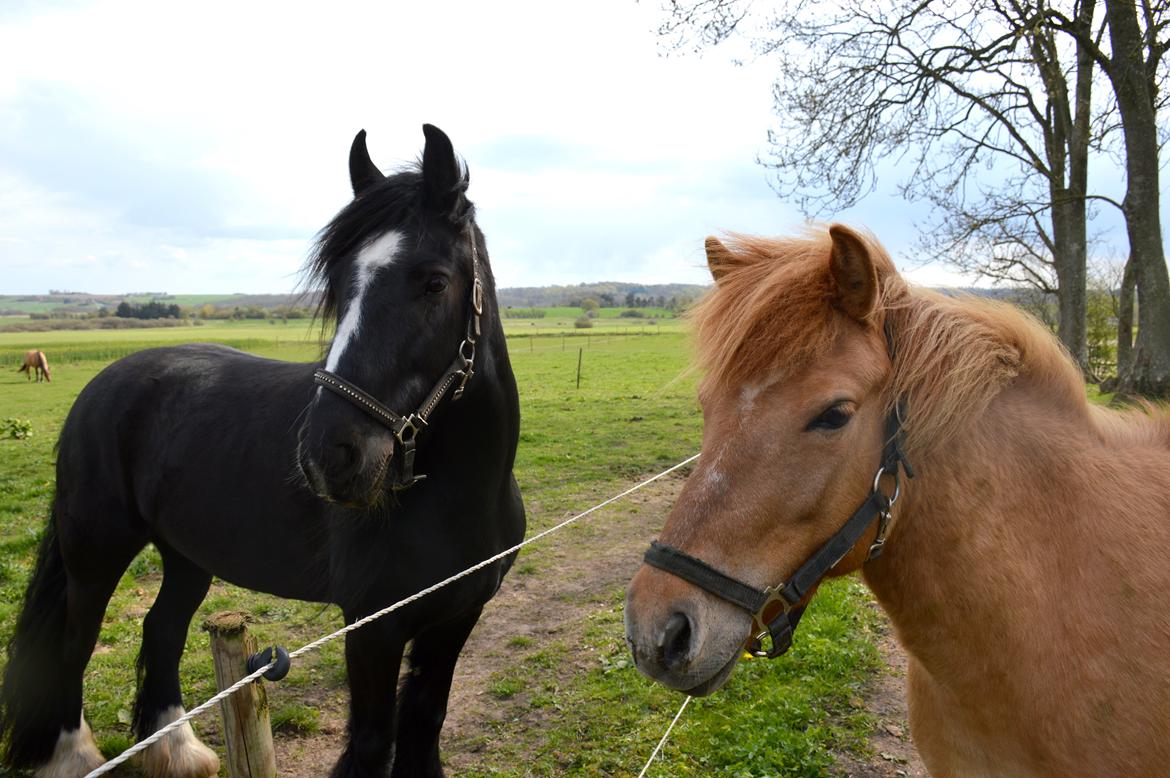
(787, 594)
(406, 428)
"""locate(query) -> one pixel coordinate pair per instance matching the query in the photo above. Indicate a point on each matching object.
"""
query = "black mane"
(398, 201)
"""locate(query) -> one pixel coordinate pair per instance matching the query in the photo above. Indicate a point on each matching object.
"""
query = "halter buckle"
(408, 430)
(762, 627)
(879, 541)
(778, 642)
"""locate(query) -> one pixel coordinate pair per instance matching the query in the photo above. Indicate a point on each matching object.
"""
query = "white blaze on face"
(749, 393)
(714, 481)
(374, 255)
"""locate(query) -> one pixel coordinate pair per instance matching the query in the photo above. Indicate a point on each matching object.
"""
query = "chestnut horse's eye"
(835, 417)
(436, 284)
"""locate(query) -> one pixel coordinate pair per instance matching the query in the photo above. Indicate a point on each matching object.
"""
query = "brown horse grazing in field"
(35, 361)
(1026, 567)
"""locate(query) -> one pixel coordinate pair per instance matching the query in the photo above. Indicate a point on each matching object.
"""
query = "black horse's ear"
(442, 177)
(363, 173)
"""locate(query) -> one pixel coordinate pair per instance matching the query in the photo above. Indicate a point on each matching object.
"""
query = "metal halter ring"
(877, 485)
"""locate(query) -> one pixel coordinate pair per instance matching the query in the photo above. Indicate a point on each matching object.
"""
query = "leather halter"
(789, 593)
(406, 428)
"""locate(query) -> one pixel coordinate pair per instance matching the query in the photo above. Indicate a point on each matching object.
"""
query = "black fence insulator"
(261, 658)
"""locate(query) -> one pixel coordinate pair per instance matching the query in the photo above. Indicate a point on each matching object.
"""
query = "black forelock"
(395, 203)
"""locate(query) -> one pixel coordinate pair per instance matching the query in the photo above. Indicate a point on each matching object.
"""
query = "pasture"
(547, 687)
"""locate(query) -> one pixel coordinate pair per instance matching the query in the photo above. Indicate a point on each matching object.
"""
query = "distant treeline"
(151, 310)
(608, 294)
(156, 309)
(674, 303)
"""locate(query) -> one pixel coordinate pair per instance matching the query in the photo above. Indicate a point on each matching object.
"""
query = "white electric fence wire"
(247, 679)
(665, 735)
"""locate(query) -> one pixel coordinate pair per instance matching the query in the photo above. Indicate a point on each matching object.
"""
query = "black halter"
(406, 428)
(787, 594)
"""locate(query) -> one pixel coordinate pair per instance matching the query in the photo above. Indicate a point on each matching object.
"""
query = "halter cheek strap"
(406, 428)
(788, 594)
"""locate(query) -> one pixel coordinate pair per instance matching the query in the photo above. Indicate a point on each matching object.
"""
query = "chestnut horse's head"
(795, 401)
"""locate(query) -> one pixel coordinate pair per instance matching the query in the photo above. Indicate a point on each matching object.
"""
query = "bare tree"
(989, 104)
(1135, 66)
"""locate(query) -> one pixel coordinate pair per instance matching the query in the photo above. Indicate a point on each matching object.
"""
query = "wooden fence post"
(246, 726)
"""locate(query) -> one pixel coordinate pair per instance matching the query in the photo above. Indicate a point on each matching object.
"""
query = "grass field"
(634, 414)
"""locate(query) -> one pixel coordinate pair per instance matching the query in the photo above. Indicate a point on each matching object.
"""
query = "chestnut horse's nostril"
(676, 642)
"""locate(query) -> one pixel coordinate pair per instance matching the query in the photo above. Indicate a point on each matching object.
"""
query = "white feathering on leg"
(180, 754)
(75, 754)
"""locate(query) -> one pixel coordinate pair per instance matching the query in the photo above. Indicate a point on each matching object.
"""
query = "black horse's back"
(199, 443)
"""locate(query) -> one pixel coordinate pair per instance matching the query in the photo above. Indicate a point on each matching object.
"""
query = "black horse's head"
(397, 266)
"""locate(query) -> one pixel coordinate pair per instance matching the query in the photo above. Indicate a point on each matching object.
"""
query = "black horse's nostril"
(340, 459)
(676, 642)
(347, 455)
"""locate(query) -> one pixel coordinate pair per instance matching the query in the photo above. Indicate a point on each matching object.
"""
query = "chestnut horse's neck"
(1034, 505)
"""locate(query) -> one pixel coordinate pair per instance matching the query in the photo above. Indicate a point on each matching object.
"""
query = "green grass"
(28, 306)
(634, 414)
(294, 719)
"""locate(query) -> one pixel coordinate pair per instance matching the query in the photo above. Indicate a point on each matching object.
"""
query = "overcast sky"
(197, 147)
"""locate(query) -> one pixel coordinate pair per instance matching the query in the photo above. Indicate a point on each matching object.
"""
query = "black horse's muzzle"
(347, 464)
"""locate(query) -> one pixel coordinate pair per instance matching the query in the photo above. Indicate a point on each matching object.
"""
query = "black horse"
(297, 480)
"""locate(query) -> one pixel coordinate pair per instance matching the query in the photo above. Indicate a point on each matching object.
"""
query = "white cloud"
(199, 147)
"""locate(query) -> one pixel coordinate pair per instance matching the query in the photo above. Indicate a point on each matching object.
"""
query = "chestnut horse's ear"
(363, 173)
(854, 274)
(718, 258)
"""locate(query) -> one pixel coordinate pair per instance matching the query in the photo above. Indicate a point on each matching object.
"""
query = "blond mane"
(772, 312)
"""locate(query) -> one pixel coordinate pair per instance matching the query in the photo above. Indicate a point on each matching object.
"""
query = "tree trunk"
(1067, 150)
(1068, 237)
(1125, 320)
(1149, 373)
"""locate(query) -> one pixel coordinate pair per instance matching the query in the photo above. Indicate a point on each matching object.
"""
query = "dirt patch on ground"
(894, 754)
(551, 591)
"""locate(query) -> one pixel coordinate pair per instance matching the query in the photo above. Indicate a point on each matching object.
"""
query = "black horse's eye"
(834, 417)
(436, 284)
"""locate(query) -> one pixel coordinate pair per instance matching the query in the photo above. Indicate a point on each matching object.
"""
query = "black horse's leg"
(75, 574)
(159, 702)
(373, 655)
(424, 696)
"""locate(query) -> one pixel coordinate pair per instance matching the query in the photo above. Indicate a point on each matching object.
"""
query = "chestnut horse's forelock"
(772, 313)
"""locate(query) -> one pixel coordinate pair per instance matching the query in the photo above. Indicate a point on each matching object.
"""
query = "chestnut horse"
(1026, 567)
(35, 361)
